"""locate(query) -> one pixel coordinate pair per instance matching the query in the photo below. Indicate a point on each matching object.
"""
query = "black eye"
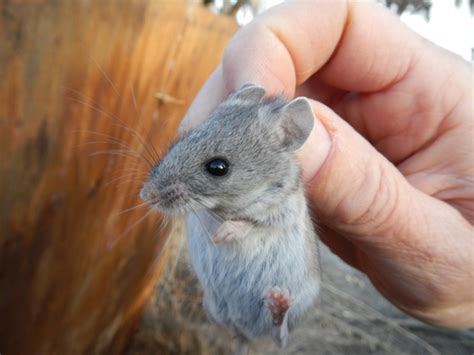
(217, 167)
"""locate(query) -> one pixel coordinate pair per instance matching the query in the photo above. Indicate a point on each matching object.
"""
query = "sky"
(450, 27)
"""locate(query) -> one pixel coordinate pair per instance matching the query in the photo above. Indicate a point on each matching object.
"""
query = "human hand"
(390, 163)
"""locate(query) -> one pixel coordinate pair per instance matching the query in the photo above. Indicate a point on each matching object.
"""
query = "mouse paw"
(230, 231)
(278, 302)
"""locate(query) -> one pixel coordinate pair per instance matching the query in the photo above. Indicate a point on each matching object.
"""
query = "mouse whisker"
(110, 138)
(113, 242)
(129, 182)
(140, 205)
(130, 152)
(133, 170)
(124, 153)
(134, 100)
(138, 116)
(219, 218)
(102, 71)
(123, 145)
(94, 106)
(121, 124)
(135, 174)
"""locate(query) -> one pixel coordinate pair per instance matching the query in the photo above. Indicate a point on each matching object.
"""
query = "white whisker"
(125, 176)
(113, 242)
(121, 124)
(140, 205)
(125, 153)
(105, 75)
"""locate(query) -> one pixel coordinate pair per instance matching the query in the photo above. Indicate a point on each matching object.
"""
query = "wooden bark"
(74, 270)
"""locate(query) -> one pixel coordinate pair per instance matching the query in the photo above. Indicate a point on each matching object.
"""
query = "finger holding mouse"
(385, 164)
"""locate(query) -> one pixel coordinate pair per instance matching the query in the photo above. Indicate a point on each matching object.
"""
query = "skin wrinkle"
(447, 112)
(374, 61)
(344, 248)
(438, 179)
(407, 251)
(346, 107)
(410, 175)
(341, 209)
(385, 144)
(447, 116)
(431, 250)
(404, 71)
(386, 289)
(374, 220)
(330, 73)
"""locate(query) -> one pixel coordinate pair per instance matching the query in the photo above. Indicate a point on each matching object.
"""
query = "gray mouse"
(259, 269)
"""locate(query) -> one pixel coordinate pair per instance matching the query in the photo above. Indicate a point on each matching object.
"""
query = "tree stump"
(91, 94)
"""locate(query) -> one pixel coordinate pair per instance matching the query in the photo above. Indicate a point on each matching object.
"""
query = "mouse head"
(239, 161)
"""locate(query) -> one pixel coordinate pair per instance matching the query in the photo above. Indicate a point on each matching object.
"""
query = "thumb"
(411, 245)
(355, 191)
(351, 186)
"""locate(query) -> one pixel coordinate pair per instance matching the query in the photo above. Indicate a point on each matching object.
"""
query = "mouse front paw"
(230, 231)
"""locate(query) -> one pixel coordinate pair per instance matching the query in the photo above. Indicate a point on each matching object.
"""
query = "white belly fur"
(236, 275)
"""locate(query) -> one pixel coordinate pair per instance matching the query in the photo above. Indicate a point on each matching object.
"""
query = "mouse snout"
(172, 192)
(168, 196)
(149, 193)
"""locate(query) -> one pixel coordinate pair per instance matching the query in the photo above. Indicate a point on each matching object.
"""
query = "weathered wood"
(74, 271)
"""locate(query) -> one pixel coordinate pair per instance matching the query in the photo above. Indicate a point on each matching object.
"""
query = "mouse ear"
(249, 93)
(296, 122)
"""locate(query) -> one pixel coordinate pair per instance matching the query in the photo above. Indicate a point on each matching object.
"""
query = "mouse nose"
(149, 193)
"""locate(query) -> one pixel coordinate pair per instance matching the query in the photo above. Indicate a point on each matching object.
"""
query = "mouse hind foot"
(278, 302)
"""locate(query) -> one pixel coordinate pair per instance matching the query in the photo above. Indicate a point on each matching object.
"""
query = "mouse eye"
(217, 167)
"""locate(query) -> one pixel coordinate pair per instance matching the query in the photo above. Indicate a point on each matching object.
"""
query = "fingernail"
(315, 150)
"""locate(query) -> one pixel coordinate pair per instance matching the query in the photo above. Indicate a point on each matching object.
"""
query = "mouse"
(258, 265)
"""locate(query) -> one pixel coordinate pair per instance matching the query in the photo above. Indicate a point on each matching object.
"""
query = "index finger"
(353, 46)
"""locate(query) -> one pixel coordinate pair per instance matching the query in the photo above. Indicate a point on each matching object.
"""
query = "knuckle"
(372, 206)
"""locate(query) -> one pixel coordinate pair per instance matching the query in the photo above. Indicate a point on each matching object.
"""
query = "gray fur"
(249, 93)
(263, 187)
(297, 123)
